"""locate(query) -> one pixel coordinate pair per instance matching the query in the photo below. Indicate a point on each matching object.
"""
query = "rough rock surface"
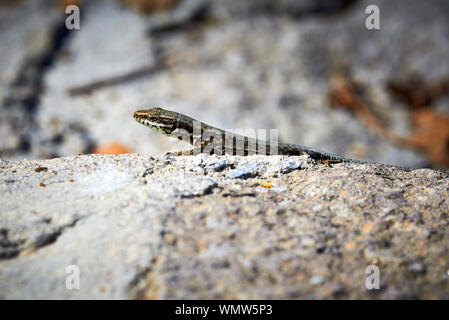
(221, 227)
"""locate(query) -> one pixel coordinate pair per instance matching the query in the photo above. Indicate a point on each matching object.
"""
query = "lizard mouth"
(144, 120)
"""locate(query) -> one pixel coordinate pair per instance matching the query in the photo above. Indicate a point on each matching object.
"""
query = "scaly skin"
(198, 134)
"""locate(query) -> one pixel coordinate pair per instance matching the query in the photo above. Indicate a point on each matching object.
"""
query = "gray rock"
(247, 171)
(221, 164)
(288, 166)
(141, 227)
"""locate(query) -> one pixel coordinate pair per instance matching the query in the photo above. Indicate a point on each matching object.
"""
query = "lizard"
(209, 139)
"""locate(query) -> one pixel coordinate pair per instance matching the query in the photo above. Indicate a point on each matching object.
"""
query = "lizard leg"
(196, 150)
(329, 162)
(184, 152)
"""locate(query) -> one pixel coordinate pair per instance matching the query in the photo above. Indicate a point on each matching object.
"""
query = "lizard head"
(159, 119)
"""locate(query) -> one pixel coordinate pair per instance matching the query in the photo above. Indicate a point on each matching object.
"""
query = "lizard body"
(209, 139)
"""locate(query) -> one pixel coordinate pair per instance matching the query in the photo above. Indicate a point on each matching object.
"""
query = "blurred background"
(309, 68)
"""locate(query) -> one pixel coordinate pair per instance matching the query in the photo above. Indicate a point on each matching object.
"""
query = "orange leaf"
(112, 148)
